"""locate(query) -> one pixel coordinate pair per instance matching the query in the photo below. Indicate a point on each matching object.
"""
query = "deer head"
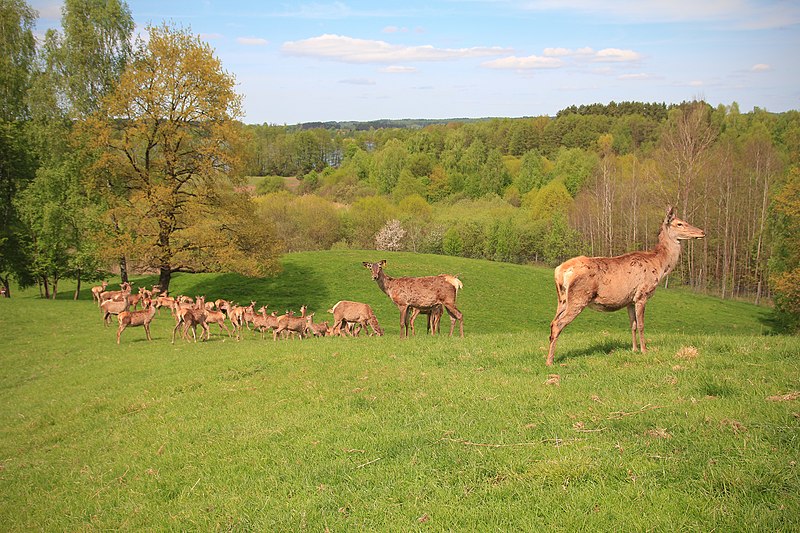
(678, 229)
(375, 268)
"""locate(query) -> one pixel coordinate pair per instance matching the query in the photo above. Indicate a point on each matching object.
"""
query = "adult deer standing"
(420, 293)
(611, 283)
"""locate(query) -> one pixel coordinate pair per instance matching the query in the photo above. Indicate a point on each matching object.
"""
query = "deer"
(125, 290)
(611, 283)
(263, 321)
(215, 317)
(434, 315)
(346, 312)
(292, 324)
(190, 316)
(114, 307)
(99, 289)
(420, 293)
(142, 317)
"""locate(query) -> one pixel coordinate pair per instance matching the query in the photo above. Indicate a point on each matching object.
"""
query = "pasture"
(428, 433)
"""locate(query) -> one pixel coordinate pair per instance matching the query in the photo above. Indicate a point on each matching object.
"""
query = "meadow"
(377, 433)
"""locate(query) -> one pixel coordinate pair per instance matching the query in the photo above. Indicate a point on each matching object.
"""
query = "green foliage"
(552, 199)
(785, 261)
(270, 184)
(561, 242)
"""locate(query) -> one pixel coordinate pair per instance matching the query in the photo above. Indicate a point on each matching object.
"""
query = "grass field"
(473, 434)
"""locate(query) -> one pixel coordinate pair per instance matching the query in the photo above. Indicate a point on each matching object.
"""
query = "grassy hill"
(387, 434)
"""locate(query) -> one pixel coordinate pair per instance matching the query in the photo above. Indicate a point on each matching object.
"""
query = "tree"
(17, 165)
(169, 150)
(75, 70)
(785, 261)
(390, 237)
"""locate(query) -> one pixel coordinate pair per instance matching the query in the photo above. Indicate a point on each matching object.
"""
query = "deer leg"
(403, 323)
(147, 331)
(640, 324)
(564, 316)
(632, 317)
(119, 331)
(455, 314)
(175, 329)
(413, 317)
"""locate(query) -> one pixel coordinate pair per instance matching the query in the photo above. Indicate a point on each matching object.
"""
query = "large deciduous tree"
(17, 53)
(170, 151)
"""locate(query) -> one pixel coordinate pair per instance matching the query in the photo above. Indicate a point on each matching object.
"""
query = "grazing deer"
(96, 291)
(421, 293)
(611, 283)
(137, 318)
(346, 312)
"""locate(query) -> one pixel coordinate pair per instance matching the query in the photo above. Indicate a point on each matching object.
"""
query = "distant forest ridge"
(654, 110)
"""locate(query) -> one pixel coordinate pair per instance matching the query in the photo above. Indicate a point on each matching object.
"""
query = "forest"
(126, 156)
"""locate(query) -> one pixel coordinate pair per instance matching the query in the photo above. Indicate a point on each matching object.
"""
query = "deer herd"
(602, 283)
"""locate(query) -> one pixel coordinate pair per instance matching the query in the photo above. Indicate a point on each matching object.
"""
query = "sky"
(342, 60)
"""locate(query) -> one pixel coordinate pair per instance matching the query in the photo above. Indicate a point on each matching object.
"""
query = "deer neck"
(667, 251)
(384, 281)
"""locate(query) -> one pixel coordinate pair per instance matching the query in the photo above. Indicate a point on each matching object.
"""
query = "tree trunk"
(164, 278)
(46, 288)
(123, 269)
(78, 287)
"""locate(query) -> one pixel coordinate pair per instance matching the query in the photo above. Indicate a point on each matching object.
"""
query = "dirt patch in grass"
(658, 433)
(794, 395)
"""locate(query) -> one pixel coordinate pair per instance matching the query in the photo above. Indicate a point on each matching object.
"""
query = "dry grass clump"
(688, 353)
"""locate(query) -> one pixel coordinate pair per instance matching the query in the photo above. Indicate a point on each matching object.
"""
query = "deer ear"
(383, 262)
(670, 214)
(367, 265)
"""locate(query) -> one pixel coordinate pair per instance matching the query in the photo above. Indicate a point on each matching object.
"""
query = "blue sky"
(319, 60)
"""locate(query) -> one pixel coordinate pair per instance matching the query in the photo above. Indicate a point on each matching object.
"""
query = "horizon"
(353, 61)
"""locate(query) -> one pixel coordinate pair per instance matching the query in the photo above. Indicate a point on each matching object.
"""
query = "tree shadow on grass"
(294, 287)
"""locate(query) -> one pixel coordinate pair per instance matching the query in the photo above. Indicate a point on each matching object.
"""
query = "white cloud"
(524, 63)
(252, 41)
(394, 29)
(211, 36)
(352, 50)
(761, 67)
(557, 52)
(615, 55)
(395, 69)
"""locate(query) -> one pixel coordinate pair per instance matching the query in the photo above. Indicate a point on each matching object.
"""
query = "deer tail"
(563, 276)
(454, 281)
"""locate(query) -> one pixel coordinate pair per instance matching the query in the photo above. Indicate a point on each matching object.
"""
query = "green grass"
(383, 434)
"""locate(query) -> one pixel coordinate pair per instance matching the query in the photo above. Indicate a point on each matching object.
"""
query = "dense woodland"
(103, 170)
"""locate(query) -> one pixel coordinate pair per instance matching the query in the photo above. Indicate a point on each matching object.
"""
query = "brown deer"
(346, 312)
(113, 307)
(292, 324)
(96, 291)
(433, 314)
(137, 318)
(422, 293)
(125, 290)
(611, 283)
(263, 321)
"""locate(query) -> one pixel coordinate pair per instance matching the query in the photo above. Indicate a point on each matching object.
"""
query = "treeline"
(594, 179)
